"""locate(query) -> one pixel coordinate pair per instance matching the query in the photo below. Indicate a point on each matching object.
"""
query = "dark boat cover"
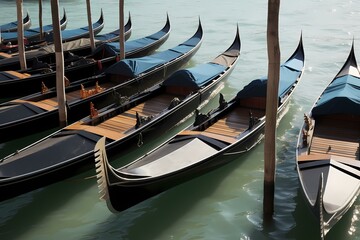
(133, 67)
(17, 112)
(194, 77)
(12, 26)
(5, 27)
(107, 36)
(289, 73)
(39, 157)
(70, 34)
(342, 96)
(7, 36)
(6, 76)
(113, 49)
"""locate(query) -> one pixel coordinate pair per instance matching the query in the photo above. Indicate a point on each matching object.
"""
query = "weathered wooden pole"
(271, 106)
(20, 34)
(91, 31)
(121, 28)
(40, 20)
(59, 57)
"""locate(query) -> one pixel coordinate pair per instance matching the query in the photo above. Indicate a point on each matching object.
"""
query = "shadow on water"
(22, 213)
(162, 211)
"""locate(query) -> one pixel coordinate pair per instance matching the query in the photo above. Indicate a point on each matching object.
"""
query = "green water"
(227, 203)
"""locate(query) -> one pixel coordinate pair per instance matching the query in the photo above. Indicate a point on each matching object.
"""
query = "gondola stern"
(200, 28)
(298, 54)
(237, 40)
(235, 47)
(64, 21)
(129, 19)
(27, 19)
(101, 19)
(350, 66)
(167, 24)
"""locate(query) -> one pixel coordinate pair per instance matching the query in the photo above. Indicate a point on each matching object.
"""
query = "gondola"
(80, 47)
(39, 112)
(327, 153)
(70, 149)
(32, 34)
(21, 83)
(213, 140)
(12, 26)
(68, 35)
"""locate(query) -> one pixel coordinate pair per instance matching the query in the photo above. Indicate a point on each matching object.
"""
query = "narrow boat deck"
(231, 125)
(120, 125)
(50, 104)
(343, 140)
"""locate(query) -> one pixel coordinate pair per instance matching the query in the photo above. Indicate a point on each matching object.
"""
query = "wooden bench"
(220, 137)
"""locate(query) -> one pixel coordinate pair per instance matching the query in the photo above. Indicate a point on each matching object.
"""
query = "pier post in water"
(271, 107)
(59, 56)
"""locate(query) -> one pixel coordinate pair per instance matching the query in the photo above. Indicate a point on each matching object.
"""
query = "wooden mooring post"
(20, 34)
(271, 107)
(91, 31)
(59, 56)
(121, 28)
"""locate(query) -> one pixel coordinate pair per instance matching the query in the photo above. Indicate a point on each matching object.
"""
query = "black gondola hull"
(81, 108)
(84, 161)
(32, 84)
(139, 191)
(50, 57)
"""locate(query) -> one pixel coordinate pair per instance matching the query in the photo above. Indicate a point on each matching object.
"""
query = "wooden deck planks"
(336, 140)
(234, 123)
(211, 135)
(229, 127)
(117, 126)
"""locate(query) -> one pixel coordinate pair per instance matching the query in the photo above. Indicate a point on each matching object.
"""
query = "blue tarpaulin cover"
(27, 33)
(289, 73)
(195, 77)
(133, 67)
(113, 49)
(342, 96)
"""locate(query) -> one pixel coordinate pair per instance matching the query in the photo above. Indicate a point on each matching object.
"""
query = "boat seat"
(5, 55)
(111, 134)
(313, 157)
(337, 146)
(219, 137)
(6, 75)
